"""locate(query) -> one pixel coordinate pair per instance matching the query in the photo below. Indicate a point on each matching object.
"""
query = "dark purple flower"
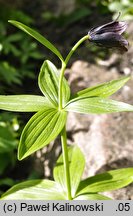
(109, 35)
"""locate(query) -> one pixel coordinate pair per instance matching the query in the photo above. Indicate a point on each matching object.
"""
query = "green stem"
(66, 163)
(63, 133)
(60, 84)
(64, 64)
(86, 37)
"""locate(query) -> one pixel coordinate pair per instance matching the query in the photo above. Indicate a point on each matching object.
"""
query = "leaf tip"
(21, 156)
(11, 21)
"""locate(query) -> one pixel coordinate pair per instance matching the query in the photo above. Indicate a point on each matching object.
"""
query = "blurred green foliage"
(19, 56)
(64, 20)
(19, 53)
(124, 6)
(8, 145)
(111, 6)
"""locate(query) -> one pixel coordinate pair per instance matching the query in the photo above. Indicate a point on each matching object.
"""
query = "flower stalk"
(60, 83)
(86, 37)
(64, 64)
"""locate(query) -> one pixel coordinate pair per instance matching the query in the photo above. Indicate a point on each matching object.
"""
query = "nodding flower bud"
(109, 35)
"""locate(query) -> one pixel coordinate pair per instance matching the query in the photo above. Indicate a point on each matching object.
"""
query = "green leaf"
(76, 166)
(105, 89)
(107, 181)
(92, 197)
(37, 36)
(34, 190)
(49, 83)
(41, 129)
(23, 103)
(97, 105)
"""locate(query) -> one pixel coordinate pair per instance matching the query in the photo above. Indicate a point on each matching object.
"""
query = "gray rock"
(106, 140)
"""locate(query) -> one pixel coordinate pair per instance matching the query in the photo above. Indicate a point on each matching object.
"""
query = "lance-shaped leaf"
(34, 190)
(37, 36)
(41, 129)
(96, 105)
(94, 196)
(105, 89)
(107, 181)
(49, 83)
(76, 167)
(23, 103)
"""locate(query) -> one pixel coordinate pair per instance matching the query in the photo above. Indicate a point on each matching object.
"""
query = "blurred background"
(64, 22)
